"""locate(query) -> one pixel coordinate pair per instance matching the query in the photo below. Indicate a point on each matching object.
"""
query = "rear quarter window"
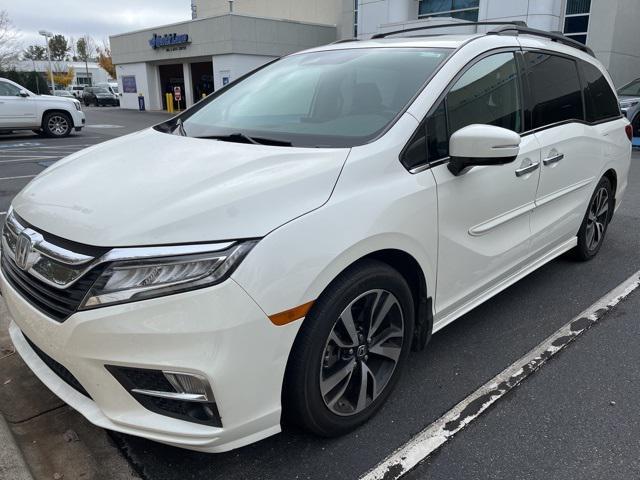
(600, 101)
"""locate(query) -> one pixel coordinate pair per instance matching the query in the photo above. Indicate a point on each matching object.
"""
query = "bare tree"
(86, 50)
(9, 41)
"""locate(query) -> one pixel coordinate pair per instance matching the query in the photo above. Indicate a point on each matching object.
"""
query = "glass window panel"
(555, 89)
(416, 151)
(8, 90)
(434, 6)
(487, 93)
(579, 38)
(469, 15)
(329, 98)
(630, 89)
(600, 101)
(576, 24)
(437, 134)
(578, 6)
(459, 4)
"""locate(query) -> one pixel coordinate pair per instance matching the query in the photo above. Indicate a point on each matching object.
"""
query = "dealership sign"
(168, 40)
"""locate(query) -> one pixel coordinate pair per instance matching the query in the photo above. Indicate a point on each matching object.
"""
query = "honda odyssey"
(276, 251)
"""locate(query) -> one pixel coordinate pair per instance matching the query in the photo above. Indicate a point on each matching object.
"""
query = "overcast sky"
(96, 18)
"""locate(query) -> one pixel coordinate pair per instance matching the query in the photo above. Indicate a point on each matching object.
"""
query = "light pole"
(47, 35)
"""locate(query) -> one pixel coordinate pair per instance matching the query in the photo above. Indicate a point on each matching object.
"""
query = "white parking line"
(17, 177)
(436, 434)
(30, 159)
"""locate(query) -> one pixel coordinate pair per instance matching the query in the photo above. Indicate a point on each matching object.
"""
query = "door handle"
(554, 159)
(528, 169)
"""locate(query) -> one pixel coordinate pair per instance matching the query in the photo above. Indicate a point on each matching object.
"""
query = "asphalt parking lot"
(576, 417)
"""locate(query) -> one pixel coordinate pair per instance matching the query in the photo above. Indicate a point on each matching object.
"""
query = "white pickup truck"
(52, 116)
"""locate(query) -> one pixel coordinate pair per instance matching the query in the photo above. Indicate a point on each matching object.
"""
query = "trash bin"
(141, 102)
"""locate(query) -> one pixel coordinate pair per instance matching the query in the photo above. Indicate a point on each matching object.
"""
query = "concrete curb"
(12, 464)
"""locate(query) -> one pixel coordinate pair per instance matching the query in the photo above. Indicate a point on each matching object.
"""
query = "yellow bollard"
(169, 98)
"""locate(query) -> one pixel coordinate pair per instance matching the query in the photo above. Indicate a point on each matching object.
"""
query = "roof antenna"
(230, 6)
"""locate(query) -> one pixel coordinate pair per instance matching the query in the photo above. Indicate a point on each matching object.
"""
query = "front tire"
(596, 221)
(350, 350)
(57, 124)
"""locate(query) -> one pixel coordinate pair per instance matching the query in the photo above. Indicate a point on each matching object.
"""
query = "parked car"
(63, 93)
(630, 103)
(99, 96)
(276, 250)
(76, 90)
(111, 86)
(21, 109)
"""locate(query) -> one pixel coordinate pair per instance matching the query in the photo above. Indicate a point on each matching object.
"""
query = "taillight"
(628, 129)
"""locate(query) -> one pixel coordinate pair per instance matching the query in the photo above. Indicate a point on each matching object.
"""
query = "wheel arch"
(57, 110)
(612, 176)
(411, 270)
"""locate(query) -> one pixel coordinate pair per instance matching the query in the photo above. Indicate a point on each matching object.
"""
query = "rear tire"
(57, 124)
(596, 220)
(359, 331)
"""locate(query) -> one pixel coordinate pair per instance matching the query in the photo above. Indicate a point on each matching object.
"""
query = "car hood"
(152, 188)
(56, 99)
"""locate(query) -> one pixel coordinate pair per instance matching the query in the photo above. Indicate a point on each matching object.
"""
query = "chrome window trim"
(81, 263)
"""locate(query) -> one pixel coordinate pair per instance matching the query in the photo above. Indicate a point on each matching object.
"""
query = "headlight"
(77, 104)
(132, 280)
(630, 104)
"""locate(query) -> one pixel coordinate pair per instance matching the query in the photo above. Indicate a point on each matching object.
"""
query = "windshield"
(338, 98)
(631, 89)
(101, 90)
(114, 88)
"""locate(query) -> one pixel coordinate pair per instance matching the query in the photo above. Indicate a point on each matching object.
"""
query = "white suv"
(280, 247)
(52, 116)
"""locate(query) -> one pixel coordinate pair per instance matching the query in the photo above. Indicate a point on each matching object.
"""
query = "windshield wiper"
(240, 137)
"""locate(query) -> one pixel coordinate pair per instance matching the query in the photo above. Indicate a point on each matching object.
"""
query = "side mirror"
(477, 145)
(23, 93)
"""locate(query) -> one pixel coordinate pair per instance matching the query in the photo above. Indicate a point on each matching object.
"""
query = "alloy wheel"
(361, 352)
(58, 125)
(597, 218)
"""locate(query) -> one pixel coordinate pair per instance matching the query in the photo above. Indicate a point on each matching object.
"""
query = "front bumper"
(108, 101)
(218, 332)
(78, 119)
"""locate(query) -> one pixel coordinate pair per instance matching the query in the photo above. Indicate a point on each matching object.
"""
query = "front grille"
(56, 303)
(58, 369)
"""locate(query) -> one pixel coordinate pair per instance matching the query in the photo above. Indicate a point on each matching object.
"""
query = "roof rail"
(515, 23)
(515, 26)
(344, 40)
(554, 36)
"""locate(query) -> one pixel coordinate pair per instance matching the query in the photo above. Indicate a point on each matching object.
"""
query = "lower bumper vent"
(156, 391)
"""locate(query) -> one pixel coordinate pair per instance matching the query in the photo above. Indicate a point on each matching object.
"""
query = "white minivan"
(277, 250)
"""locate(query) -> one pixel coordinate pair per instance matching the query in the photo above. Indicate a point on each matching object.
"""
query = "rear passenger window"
(555, 89)
(600, 101)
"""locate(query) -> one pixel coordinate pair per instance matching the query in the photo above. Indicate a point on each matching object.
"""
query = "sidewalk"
(12, 464)
(42, 438)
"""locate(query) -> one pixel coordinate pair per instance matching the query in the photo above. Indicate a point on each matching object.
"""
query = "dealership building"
(226, 39)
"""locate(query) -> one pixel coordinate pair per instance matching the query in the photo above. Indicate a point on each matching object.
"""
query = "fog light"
(190, 384)
(181, 395)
